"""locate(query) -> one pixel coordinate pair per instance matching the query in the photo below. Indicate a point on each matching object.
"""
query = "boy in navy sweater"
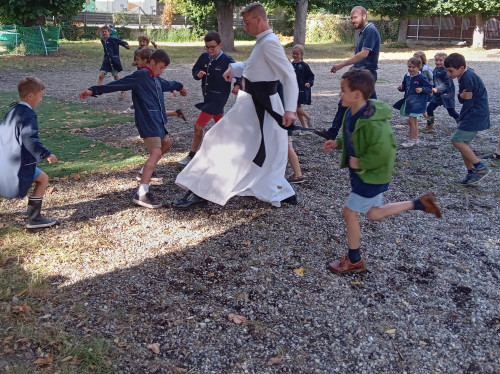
(209, 69)
(474, 115)
(21, 150)
(443, 92)
(111, 61)
(150, 117)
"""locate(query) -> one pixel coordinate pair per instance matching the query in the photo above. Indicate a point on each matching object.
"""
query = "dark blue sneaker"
(478, 175)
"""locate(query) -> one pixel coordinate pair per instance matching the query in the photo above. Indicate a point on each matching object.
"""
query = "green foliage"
(74, 32)
(388, 29)
(467, 8)
(397, 45)
(327, 27)
(390, 8)
(182, 35)
(196, 11)
(240, 34)
(29, 12)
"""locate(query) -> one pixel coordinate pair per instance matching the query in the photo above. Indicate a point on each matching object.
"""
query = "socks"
(143, 189)
(417, 205)
(191, 154)
(354, 255)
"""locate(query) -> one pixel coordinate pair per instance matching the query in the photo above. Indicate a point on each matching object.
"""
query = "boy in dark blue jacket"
(21, 150)
(111, 61)
(443, 92)
(416, 87)
(474, 115)
(209, 69)
(150, 117)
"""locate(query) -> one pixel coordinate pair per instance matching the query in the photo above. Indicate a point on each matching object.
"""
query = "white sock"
(142, 169)
(143, 189)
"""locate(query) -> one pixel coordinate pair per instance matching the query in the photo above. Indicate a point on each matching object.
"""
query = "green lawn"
(59, 122)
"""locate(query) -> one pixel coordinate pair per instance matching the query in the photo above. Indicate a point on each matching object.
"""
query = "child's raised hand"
(418, 89)
(51, 158)
(85, 94)
(400, 88)
(174, 93)
(329, 144)
(183, 92)
(466, 95)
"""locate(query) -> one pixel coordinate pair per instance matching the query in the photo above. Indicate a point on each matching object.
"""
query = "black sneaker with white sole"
(154, 177)
(147, 201)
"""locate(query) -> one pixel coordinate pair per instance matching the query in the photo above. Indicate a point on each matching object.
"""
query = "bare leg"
(294, 162)
(378, 213)
(468, 156)
(122, 94)
(149, 166)
(101, 79)
(40, 185)
(302, 115)
(197, 137)
(412, 122)
(353, 228)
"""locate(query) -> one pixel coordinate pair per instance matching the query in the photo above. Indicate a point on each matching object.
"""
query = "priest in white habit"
(246, 152)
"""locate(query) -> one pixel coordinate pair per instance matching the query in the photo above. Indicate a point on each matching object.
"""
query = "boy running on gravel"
(368, 149)
(150, 118)
(474, 115)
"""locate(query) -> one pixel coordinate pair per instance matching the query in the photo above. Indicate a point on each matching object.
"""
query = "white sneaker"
(185, 161)
(409, 143)
(129, 111)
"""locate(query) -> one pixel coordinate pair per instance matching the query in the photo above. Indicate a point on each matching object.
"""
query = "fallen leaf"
(51, 190)
(43, 360)
(155, 348)
(179, 370)
(76, 176)
(299, 271)
(390, 331)
(237, 319)
(52, 119)
(211, 275)
(275, 360)
(421, 342)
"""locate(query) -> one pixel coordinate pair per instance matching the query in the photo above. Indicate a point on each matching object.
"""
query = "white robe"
(223, 166)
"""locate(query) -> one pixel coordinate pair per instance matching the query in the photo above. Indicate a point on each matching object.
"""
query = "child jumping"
(416, 87)
(209, 69)
(21, 150)
(305, 80)
(150, 118)
(369, 150)
(443, 92)
(111, 61)
(474, 115)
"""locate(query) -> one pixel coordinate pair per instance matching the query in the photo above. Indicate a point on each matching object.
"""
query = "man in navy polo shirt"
(366, 55)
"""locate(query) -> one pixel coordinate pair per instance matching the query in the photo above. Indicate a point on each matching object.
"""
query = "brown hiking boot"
(428, 200)
(345, 266)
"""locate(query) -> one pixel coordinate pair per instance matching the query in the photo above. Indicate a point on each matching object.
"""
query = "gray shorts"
(462, 136)
(362, 204)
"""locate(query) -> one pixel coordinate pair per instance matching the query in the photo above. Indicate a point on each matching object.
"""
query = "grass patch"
(59, 122)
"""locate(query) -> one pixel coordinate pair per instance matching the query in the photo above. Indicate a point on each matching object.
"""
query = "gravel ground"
(429, 303)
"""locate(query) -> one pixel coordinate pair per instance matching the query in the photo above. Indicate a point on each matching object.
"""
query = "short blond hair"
(421, 55)
(144, 37)
(441, 54)
(300, 47)
(29, 85)
(256, 8)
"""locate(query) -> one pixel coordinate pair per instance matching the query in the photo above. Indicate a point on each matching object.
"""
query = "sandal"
(494, 156)
(181, 114)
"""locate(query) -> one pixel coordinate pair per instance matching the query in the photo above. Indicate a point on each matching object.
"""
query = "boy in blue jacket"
(474, 115)
(416, 87)
(111, 61)
(150, 117)
(443, 92)
(21, 150)
(369, 150)
(209, 69)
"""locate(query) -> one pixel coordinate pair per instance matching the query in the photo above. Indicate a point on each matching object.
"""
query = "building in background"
(117, 6)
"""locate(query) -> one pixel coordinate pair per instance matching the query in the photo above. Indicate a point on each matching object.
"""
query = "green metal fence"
(29, 40)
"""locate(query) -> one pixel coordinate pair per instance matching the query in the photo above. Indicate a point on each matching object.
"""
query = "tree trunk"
(225, 23)
(403, 30)
(299, 33)
(478, 36)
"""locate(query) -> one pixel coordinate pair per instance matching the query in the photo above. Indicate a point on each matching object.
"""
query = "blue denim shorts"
(462, 136)
(38, 172)
(362, 204)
